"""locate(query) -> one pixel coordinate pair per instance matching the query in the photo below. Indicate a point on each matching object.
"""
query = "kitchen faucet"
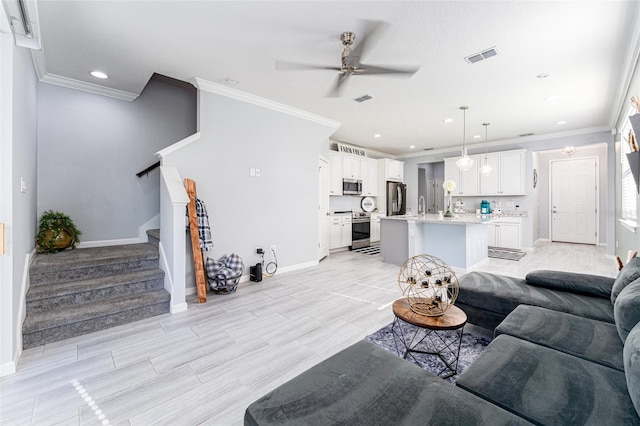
(421, 205)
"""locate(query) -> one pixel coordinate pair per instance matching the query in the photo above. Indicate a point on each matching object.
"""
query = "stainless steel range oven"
(360, 230)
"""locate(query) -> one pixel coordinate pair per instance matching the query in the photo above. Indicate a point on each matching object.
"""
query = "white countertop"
(456, 220)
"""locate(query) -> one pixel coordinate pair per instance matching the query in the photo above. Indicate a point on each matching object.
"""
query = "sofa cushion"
(626, 310)
(547, 386)
(632, 365)
(366, 385)
(630, 272)
(501, 294)
(590, 285)
(589, 339)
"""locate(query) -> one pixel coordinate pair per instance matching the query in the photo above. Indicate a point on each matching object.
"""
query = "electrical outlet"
(272, 249)
(259, 250)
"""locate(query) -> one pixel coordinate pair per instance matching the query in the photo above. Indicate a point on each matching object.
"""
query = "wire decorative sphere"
(429, 284)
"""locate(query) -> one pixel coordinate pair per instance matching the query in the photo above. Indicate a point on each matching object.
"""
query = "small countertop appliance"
(485, 207)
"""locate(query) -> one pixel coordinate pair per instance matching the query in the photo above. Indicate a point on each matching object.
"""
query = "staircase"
(79, 291)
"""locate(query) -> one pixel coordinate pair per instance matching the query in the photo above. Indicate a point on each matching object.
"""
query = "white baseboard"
(106, 243)
(153, 223)
(245, 278)
(8, 368)
(180, 307)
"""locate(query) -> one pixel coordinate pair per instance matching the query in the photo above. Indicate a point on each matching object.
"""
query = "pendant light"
(464, 163)
(486, 169)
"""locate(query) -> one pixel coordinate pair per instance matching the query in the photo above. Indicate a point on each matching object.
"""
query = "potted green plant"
(57, 232)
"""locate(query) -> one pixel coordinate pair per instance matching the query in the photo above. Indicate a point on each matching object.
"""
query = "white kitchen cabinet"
(350, 167)
(506, 178)
(505, 233)
(467, 182)
(369, 176)
(512, 178)
(490, 185)
(451, 172)
(339, 231)
(391, 170)
(374, 236)
(335, 173)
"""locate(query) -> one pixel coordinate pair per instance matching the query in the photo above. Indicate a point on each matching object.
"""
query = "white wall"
(280, 207)
(18, 84)
(626, 239)
(90, 148)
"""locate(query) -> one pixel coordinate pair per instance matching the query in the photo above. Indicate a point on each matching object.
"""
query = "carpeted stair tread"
(81, 264)
(154, 233)
(38, 321)
(72, 292)
(78, 258)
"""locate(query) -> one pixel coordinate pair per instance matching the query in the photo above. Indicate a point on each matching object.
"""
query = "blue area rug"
(472, 346)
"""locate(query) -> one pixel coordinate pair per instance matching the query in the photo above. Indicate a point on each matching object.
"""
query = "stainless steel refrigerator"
(396, 198)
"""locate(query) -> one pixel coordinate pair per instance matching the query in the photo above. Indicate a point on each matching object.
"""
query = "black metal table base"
(430, 342)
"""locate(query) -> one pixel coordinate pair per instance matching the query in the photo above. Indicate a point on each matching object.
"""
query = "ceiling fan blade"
(334, 91)
(293, 66)
(372, 70)
(364, 40)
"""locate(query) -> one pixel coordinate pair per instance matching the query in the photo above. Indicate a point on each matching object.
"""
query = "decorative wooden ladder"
(198, 262)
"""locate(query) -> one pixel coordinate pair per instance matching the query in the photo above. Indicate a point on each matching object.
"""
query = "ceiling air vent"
(477, 57)
(363, 98)
(428, 149)
(526, 134)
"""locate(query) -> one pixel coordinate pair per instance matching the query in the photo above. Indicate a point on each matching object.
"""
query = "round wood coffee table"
(429, 334)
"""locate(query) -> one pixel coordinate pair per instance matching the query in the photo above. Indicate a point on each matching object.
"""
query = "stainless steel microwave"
(351, 186)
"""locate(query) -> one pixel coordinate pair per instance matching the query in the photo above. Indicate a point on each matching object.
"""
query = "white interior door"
(574, 195)
(323, 209)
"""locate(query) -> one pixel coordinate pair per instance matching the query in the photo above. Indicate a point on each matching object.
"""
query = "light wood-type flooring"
(205, 365)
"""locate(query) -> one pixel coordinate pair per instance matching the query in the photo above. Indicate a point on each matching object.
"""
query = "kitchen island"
(461, 241)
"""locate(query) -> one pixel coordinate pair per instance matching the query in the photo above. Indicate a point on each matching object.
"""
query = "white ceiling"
(587, 48)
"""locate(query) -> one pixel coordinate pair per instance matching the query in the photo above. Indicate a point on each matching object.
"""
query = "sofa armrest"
(590, 285)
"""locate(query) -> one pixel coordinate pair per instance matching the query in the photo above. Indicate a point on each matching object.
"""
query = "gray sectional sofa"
(566, 351)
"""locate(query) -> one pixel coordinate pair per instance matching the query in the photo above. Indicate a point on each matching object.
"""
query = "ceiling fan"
(350, 60)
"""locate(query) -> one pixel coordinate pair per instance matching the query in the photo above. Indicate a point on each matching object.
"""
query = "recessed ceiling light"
(552, 98)
(476, 136)
(560, 123)
(447, 120)
(99, 74)
(412, 146)
(542, 75)
(377, 135)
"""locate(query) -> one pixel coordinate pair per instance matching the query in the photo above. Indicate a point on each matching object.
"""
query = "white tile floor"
(204, 366)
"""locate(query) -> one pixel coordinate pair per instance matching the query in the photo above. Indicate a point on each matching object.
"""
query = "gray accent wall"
(90, 148)
(17, 209)
(279, 207)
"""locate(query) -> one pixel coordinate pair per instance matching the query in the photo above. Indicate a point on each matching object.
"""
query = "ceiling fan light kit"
(464, 163)
(486, 168)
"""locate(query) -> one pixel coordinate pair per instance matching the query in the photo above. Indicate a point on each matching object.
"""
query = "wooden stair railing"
(198, 263)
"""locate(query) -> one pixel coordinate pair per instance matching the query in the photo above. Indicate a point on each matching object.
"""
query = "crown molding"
(521, 141)
(631, 67)
(263, 102)
(71, 83)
